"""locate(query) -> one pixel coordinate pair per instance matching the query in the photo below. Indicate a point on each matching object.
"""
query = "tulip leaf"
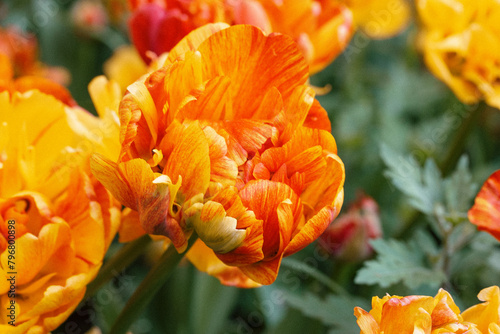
(333, 311)
(398, 262)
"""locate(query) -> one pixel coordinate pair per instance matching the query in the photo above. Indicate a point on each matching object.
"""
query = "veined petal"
(192, 40)
(245, 48)
(182, 78)
(304, 153)
(123, 180)
(312, 229)
(277, 205)
(445, 311)
(136, 186)
(250, 134)
(147, 106)
(317, 118)
(486, 210)
(213, 103)
(263, 272)
(326, 188)
(401, 315)
(366, 322)
(131, 227)
(190, 160)
(223, 170)
(205, 260)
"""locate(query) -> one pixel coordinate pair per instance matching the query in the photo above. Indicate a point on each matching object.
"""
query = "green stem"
(153, 281)
(316, 274)
(460, 137)
(121, 260)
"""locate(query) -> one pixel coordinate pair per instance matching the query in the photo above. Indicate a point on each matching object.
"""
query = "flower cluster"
(461, 46)
(227, 140)
(425, 314)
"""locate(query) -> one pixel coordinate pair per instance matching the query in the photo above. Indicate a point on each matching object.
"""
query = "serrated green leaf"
(420, 185)
(398, 262)
(459, 188)
(334, 311)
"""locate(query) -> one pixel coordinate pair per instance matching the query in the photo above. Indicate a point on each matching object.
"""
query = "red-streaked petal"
(243, 50)
(190, 160)
(278, 206)
(486, 210)
(263, 272)
(204, 259)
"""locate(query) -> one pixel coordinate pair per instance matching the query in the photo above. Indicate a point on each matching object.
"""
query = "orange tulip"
(486, 210)
(56, 221)
(322, 29)
(461, 45)
(413, 314)
(228, 141)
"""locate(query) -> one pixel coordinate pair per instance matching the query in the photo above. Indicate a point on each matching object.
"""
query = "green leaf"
(334, 311)
(459, 188)
(398, 262)
(421, 185)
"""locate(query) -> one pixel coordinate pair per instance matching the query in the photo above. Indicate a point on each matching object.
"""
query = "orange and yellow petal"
(486, 210)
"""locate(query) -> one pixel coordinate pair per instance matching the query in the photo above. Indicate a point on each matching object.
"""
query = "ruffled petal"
(486, 210)
(244, 48)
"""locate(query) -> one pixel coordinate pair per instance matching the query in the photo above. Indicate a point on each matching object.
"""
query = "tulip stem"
(148, 288)
(119, 261)
(319, 276)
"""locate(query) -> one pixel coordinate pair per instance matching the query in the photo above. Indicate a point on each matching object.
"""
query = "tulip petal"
(192, 40)
(278, 206)
(130, 228)
(190, 160)
(486, 210)
(263, 272)
(204, 259)
(213, 102)
(401, 315)
(244, 48)
(366, 322)
(485, 313)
